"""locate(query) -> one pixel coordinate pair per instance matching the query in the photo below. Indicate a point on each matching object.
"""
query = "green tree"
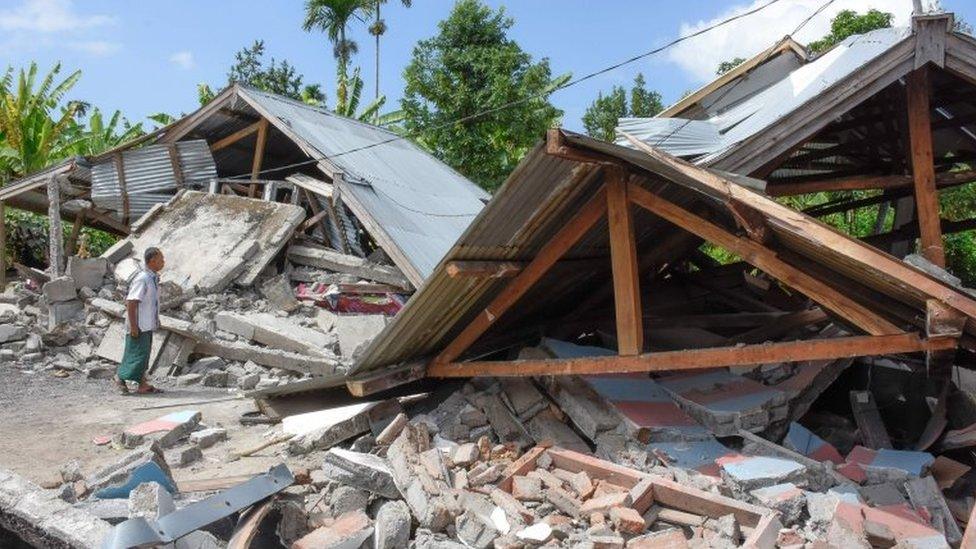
(333, 17)
(600, 118)
(37, 127)
(282, 78)
(848, 23)
(726, 66)
(468, 67)
(378, 29)
(101, 134)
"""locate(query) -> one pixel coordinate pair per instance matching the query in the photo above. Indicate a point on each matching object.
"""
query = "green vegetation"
(471, 66)
(848, 23)
(600, 118)
(726, 66)
(282, 78)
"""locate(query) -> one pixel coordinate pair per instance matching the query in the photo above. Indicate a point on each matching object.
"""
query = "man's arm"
(132, 307)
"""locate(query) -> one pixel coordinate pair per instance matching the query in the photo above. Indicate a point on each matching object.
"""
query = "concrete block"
(466, 454)
(59, 289)
(280, 333)
(206, 438)
(150, 500)
(12, 332)
(392, 527)
(365, 471)
(348, 531)
(473, 531)
(64, 311)
(786, 498)
(87, 272)
(118, 251)
(181, 457)
(724, 402)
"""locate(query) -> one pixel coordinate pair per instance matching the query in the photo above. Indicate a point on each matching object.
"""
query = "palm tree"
(33, 134)
(333, 18)
(377, 29)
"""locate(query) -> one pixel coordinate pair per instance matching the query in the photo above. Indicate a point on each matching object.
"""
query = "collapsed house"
(621, 387)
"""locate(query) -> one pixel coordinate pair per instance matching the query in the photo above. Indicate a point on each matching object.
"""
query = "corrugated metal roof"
(421, 203)
(768, 106)
(544, 191)
(149, 176)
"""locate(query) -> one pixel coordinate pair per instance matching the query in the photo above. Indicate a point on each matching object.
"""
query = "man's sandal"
(121, 386)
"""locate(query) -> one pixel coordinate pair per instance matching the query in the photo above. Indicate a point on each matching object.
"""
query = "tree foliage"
(600, 118)
(282, 78)
(333, 17)
(726, 66)
(848, 23)
(471, 66)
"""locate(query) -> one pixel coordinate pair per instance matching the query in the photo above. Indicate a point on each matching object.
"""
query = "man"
(142, 306)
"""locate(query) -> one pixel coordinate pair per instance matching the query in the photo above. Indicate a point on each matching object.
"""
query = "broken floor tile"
(648, 407)
(167, 430)
(725, 402)
(886, 465)
(805, 442)
(700, 456)
(786, 498)
(746, 473)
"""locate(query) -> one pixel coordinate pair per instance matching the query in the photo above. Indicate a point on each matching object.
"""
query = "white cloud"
(97, 48)
(183, 59)
(745, 37)
(49, 16)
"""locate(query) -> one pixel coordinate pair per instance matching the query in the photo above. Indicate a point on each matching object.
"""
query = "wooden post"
(923, 167)
(623, 255)
(54, 234)
(258, 156)
(72, 248)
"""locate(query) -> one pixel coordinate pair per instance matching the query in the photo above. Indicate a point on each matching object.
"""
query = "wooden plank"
(571, 232)
(174, 160)
(869, 422)
(923, 169)
(318, 214)
(623, 259)
(694, 359)
(387, 379)
(854, 183)
(262, 139)
(483, 269)
(236, 136)
(782, 325)
(76, 226)
(312, 221)
(767, 260)
(214, 484)
(889, 268)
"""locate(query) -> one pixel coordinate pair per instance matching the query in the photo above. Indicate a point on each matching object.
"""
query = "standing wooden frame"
(923, 167)
(623, 254)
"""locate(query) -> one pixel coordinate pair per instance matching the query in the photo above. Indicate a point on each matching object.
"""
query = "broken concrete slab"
(360, 470)
(355, 332)
(166, 430)
(40, 518)
(392, 527)
(805, 442)
(59, 289)
(924, 493)
(145, 464)
(87, 272)
(886, 465)
(279, 293)
(112, 345)
(273, 358)
(349, 264)
(242, 236)
(787, 498)
(584, 407)
(545, 428)
(205, 438)
(280, 333)
(324, 429)
(724, 402)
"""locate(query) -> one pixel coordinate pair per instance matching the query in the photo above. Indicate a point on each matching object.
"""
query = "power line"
(516, 102)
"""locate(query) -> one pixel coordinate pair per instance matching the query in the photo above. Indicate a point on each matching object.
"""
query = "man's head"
(154, 259)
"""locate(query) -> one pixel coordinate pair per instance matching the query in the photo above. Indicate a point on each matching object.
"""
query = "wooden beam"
(236, 136)
(318, 214)
(923, 169)
(76, 226)
(695, 359)
(854, 183)
(312, 221)
(623, 260)
(819, 235)
(174, 160)
(483, 269)
(258, 156)
(556, 146)
(942, 180)
(375, 382)
(763, 258)
(563, 240)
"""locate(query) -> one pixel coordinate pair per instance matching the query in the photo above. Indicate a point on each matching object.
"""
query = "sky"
(147, 57)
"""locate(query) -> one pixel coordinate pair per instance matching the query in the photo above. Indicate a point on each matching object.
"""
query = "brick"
(627, 520)
(563, 501)
(488, 476)
(349, 530)
(605, 503)
(206, 438)
(511, 506)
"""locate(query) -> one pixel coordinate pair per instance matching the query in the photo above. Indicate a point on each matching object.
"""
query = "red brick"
(350, 529)
(672, 538)
(605, 503)
(627, 520)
